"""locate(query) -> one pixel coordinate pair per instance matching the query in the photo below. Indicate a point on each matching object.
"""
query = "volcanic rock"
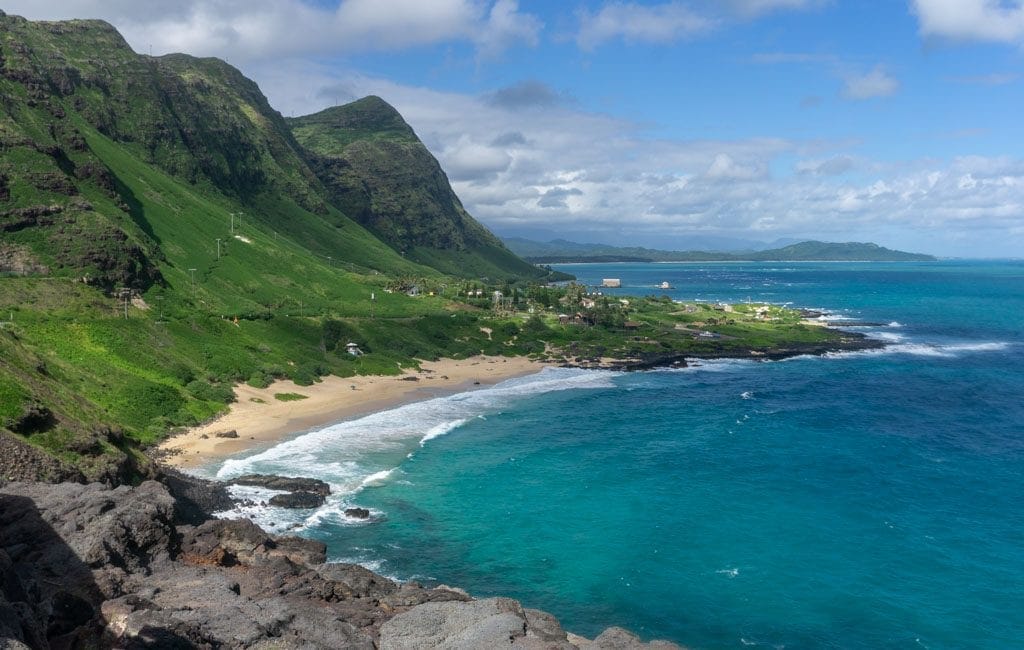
(283, 483)
(297, 500)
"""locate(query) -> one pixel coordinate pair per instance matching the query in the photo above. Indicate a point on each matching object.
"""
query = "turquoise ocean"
(858, 500)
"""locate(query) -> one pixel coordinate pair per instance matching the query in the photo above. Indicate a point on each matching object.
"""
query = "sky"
(669, 124)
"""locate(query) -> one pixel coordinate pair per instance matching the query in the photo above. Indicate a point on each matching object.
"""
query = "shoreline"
(261, 420)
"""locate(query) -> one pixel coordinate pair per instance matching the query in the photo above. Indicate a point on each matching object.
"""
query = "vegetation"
(290, 397)
(164, 236)
(562, 251)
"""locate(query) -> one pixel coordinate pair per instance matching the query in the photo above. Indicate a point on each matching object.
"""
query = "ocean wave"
(710, 365)
(378, 478)
(349, 454)
(443, 428)
(919, 349)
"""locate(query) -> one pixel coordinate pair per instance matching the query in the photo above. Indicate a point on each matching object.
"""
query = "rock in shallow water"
(283, 483)
(299, 500)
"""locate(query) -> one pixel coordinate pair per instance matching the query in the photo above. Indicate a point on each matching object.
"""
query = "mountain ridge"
(379, 172)
(563, 251)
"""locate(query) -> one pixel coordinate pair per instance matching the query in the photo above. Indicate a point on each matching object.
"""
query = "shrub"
(204, 390)
(259, 380)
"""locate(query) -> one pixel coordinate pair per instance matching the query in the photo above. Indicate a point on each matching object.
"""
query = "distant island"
(560, 251)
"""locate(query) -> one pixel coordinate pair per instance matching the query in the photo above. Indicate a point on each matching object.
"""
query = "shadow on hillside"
(135, 209)
(48, 596)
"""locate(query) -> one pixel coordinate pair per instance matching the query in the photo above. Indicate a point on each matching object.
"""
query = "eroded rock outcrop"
(283, 483)
(90, 566)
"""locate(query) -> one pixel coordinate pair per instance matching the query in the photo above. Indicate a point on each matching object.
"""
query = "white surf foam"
(710, 365)
(378, 479)
(444, 428)
(360, 453)
(921, 349)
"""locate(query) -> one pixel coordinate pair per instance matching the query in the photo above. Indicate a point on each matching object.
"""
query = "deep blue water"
(863, 500)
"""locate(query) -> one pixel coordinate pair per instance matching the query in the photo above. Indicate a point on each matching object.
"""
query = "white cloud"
(670, 21)
(466, 159)
(877, 83)
(971, 20)
(505, 27)
(828, 167)
(757, 7)
(725, 168)
(251, 30)
(638, 23)
(559, 168)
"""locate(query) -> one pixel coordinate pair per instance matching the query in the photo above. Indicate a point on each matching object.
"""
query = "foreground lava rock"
(90, 566)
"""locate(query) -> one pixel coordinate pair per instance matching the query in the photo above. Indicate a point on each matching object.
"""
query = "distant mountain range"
(560, 251)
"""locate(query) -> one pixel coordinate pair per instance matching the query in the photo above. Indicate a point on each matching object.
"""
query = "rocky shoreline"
(849, 342)
(87, 566)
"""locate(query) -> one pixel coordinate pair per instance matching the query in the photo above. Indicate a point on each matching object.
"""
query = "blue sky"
(665, 123)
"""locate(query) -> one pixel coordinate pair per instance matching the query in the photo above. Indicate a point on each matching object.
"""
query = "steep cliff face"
(379, 173)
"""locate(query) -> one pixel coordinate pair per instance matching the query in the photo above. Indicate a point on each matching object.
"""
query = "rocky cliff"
(379, 173)
(86, 566)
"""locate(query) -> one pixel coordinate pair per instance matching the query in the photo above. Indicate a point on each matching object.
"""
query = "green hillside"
(379, 173)
(163, 237)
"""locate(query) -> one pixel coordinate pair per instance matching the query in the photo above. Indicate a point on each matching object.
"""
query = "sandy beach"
(260, 419)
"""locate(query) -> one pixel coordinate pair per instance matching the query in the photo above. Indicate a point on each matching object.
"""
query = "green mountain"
(163, 236)
(837, 252)
(379, 173)
(562, 251)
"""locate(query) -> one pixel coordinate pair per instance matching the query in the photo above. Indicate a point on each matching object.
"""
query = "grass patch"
(290, 397)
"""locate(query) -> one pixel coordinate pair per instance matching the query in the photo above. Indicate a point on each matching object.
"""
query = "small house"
(588, 303)
(632, 325)
(353, 349)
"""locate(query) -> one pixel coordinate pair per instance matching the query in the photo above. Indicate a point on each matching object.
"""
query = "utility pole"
(192, 272)
(373, 299)
(218, 248)
(125, 294)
